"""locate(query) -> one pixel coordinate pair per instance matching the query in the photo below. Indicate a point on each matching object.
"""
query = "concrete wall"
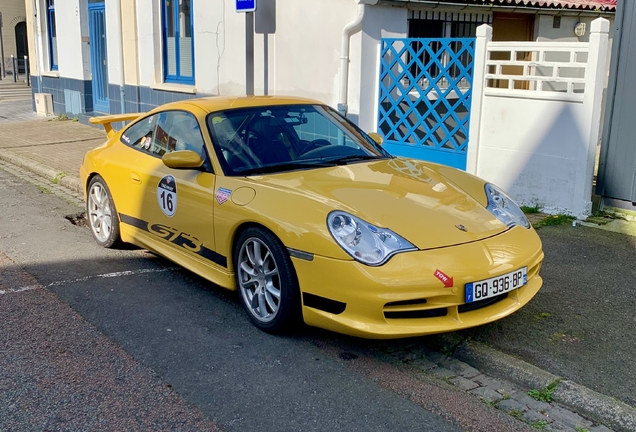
(536, 143)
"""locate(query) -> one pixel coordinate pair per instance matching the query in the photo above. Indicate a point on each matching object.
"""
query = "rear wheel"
(266, 281)
(101, 214)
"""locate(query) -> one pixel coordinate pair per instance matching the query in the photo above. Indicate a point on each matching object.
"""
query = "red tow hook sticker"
(446, 280)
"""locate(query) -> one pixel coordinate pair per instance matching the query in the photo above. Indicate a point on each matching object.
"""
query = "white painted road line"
(18, 290)
(87, 278)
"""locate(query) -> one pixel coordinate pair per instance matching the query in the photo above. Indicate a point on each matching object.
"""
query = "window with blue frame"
(178, 43)
(50, 14)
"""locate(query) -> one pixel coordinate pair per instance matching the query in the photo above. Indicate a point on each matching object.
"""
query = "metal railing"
(16, 69)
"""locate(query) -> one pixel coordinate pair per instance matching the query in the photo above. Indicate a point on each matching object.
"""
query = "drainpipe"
(122, 76)
(347, 31)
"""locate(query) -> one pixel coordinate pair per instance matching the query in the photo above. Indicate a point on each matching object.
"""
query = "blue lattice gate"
(425, 93)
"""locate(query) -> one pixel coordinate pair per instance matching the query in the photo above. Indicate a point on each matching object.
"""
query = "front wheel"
(266, 281)
(101, 214)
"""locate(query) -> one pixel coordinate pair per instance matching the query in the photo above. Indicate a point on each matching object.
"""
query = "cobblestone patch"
(45, 185)
(503, 395)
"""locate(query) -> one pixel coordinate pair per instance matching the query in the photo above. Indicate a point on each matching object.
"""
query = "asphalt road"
(112, 340)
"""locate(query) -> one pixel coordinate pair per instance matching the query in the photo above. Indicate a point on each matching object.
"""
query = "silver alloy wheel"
(259, 280)
(99, 212)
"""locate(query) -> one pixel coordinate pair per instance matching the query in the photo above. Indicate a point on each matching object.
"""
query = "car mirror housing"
(182, 159)
(376, 137)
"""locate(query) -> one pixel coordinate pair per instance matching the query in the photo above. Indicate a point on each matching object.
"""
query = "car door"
(175, 210)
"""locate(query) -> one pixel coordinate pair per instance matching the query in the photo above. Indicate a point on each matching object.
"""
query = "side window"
(166, 132)
(178, 130)
(140, 134)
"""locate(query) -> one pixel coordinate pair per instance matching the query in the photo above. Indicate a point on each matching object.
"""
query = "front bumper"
(403, 298)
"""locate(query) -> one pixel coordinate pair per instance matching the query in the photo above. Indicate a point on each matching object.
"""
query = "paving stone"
(423, 364)
(558, 427)
(501, 387)
(487, 394)
(533, 404)
(568, 418)
(406, 356)
(535, 417)
(508, 405)
(459, 367)
(436, 357)
(464, 383)
(441, 372)
(600, 428)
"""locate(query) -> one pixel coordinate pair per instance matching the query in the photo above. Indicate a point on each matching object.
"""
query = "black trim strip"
(204, 252)
(323, 304)
(133, 221)
(213, 256)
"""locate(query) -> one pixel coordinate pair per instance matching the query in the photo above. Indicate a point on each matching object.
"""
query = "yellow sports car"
(310, 219)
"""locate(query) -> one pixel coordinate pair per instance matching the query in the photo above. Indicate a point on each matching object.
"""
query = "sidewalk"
(15, 102)
(579, 329)
(49, 147)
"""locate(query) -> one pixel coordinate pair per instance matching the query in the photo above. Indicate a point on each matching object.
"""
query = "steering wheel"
(311, 145)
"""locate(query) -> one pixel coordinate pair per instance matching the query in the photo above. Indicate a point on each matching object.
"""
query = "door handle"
(134, 177)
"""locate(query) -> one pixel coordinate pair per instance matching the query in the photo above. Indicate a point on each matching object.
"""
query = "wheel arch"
(244, 227)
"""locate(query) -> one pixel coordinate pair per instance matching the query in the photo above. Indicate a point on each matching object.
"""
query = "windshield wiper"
(287, 166)
(353, 158)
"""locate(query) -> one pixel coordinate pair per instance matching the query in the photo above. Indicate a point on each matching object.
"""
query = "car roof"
(220, 103)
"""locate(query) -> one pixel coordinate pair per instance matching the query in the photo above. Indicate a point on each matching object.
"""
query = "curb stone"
(45, 171)
(601, 408)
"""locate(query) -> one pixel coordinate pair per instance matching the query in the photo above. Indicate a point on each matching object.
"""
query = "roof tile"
(603, 5)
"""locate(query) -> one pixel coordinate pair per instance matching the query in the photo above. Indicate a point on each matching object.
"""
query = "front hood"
(404, 195)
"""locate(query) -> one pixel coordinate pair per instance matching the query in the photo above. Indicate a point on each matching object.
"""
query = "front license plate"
(487, 288)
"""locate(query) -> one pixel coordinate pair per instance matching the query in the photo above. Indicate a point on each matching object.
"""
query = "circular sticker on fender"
(167, 195)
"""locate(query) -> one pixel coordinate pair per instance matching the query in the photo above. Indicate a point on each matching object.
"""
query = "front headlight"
(366, 243)
(504, 208)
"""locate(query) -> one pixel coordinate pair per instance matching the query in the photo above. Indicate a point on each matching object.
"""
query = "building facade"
(99, 57)
(13, 40)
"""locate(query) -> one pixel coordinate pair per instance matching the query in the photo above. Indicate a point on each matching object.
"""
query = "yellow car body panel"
(423, 202)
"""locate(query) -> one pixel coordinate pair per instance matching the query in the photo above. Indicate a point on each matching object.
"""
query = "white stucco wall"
(72, 24)
(149, 37)
(307, 45)
(209, 43)
(380, 22)
(113, 43)
(544, 30)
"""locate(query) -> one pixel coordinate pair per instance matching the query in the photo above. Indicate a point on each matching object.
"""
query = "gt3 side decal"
(177, 237)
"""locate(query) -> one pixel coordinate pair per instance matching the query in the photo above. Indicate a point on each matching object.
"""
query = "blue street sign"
(245, 5)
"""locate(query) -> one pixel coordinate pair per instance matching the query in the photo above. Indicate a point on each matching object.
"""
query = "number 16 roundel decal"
(167, 195)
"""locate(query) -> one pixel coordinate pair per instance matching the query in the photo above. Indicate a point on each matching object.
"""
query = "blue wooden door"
(425, 94)
(97, 28)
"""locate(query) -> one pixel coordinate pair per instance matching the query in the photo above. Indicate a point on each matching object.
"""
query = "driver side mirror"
(182, 159)
(376, 137)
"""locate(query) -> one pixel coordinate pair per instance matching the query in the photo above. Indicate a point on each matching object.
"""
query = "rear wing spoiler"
(115, 118)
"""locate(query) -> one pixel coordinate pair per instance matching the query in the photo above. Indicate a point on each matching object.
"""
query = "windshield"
(279, 138)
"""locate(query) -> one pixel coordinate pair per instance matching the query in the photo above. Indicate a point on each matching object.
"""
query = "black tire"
(101, 214)
(257, 290)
